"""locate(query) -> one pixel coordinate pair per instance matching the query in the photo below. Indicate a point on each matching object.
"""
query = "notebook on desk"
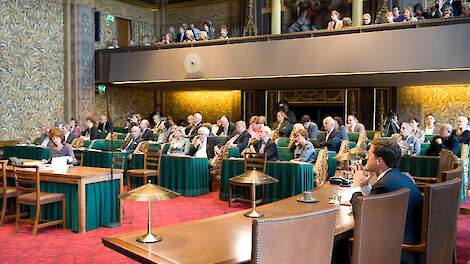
(59, 164)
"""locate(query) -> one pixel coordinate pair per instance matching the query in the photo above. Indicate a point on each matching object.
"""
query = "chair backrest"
(379, 227)
(439, 227)
(141, 147)
(79, 157)
(3, 176)
(321, 167)
(152, 157)
(27, 179)
(77, 143)
(254, 161)
(112, 136)
(361, 141)
(446, 161)
(343, 147)
(451, 174)
(303, 238)
(118, 160)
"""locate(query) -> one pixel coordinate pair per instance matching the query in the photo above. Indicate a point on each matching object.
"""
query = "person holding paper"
(59, 148)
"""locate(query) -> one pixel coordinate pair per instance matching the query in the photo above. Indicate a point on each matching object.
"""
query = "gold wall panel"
(212, 104)
(124, 100)
(446, 102)
(32, 63)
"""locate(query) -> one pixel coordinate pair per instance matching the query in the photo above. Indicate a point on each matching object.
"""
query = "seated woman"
(341, 128)
(255, 126)
(296, 128)
(335, 22)
(461, 131)
(91, 132)
(304, 150)
(58, 147)
(284, 127)
(354, 125)
(179, 145)
(200, 142)
(163, 132)
(415, 130)
(409, 144)
(311, 127)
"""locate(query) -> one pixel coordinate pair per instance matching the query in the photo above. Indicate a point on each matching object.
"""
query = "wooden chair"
(77, 143)
(321, 167)
(361, 144)
(28, 186)
(302, 238)
(252, 161)
(79, 157)
(112, 136)
(438, 229)
(5, 192)
(372, 214)
(152, 159)
(343, 150)
(447, 161)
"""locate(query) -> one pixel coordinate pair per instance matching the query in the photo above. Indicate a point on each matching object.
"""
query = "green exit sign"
(110, 18)
(101, 88)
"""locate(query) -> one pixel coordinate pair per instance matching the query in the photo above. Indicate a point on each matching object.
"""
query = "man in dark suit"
(239, 138)
(330, 137)
(197, 124)
(445, 140)
(156, 111)
(91, 131)
(226, 128)
(266, 144)
(105, 126)
(69, 137)
(134, 141)
(146, 133)
(384, 159)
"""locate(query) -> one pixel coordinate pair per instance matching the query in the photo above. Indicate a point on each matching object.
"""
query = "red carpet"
(55, 245)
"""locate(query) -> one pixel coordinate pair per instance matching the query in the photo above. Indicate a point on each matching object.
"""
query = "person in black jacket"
(146, 133)
(91, 131)
(131, 144)
(330, 137)
(105, 126)
(284, 127)
(445, 140)
(226, 128)
(239, 138)
(461, 132)
(265, 144)
(383, 160)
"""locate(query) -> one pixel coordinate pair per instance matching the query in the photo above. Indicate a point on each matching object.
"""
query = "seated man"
(430, 127)
(105, 126)
(91, 131)
(43, 139)
(383, 160)
(226, 128)
(239, 138)
(445, 140)
(68, 137)
(146, 133)
(409, 144)
(310, 126)
(193, 131)
(200, 142)
(304, 150)
(330, 137)
(284, 126)
(133, 141)
(265, 144)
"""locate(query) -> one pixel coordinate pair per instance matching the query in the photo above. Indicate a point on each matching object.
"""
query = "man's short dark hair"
(305, 119)
(388, 150)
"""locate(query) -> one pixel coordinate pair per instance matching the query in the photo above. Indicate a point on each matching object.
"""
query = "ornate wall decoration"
(354, 101)
(272, 105)
(446, 102)
(249, 104)
(123, 100)
(212, 104)
(314, 96)
(31, 66)
(382, 106)
(142, 21)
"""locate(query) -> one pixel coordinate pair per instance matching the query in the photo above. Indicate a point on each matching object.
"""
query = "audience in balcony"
(366, 19)
(335, 21)
(430, 127)
(445, 140)
(389, 17)
(408, 15)
(189, 36)
(415, 130)
(224, 33)
(311, 127)
(208, 28)
(461, 131)
(195, 31)
(354, 125)
(419, 12)
(397, 16)
(447, 11)
(329, 137)
(347, 22)
(203, 35)
(166, 39)
(181, 36)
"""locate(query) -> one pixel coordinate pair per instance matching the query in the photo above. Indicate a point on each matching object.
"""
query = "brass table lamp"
(148, 193)
(254, 178)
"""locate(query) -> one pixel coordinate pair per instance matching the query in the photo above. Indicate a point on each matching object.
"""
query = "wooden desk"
(81, 176)
(225, 238)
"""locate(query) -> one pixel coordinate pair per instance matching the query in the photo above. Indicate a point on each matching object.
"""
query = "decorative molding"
(314, 96)
(354, 102)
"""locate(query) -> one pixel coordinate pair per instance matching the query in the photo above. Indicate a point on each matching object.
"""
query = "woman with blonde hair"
(179, 145)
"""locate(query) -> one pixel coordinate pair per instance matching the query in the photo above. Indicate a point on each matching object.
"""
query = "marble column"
(276, 17)
(357, 12)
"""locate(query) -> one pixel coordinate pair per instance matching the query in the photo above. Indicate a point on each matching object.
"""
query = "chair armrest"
(419, 248)
(425, 179)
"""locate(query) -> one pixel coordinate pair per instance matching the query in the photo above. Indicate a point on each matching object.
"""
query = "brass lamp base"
(254, 214)
(149, 238)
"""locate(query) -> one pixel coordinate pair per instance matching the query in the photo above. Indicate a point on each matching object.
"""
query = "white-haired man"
(146, 131)
(197, 124)
(239, 138)
(226, 128)
(265, 144)
(330, 137)
(445, 140)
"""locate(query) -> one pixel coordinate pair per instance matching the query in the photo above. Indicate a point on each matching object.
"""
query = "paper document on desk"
(59, 164)
(33, 163)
